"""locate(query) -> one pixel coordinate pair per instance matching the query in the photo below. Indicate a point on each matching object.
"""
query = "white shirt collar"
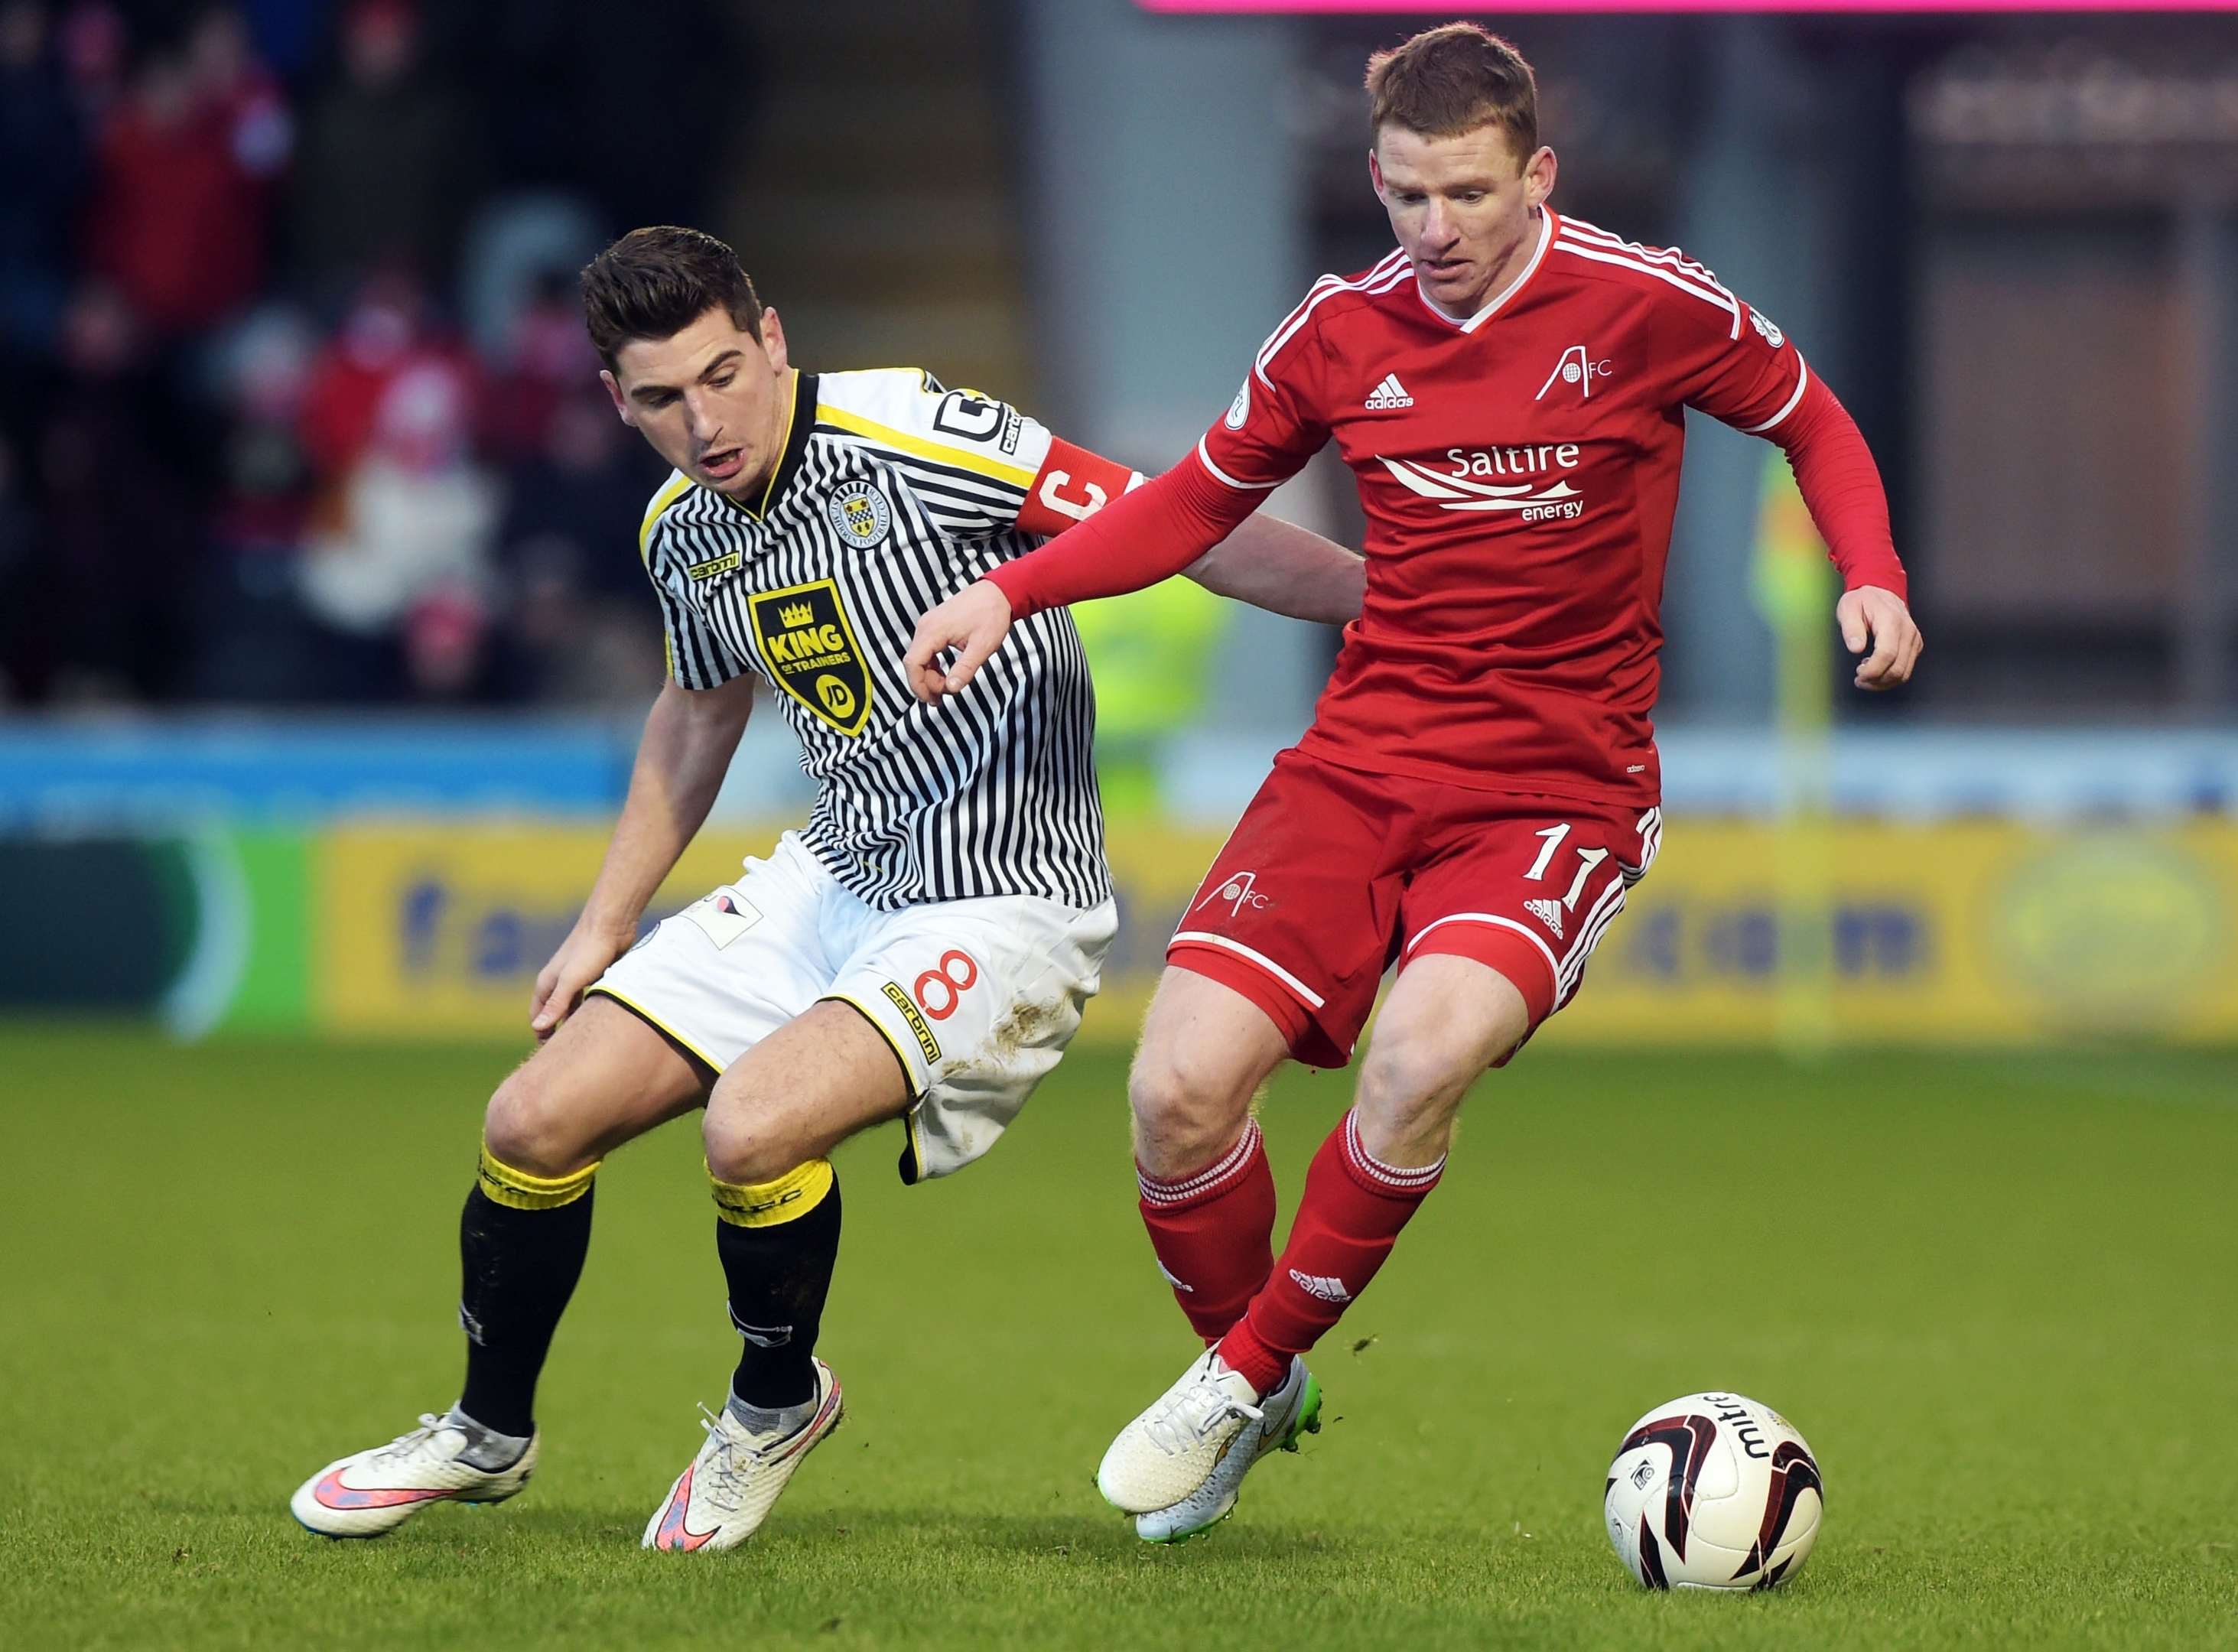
(1538, 254)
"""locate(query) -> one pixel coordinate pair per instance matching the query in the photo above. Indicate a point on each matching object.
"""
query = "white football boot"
(377, 1490)
(1165, 1456)
(723, 1497)
(1292, 1409)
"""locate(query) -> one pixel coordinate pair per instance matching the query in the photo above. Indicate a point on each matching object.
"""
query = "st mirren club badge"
(811, 650)
(860, 514)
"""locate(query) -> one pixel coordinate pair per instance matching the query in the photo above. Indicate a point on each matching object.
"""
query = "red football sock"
(1214, 1233)
(1349, 1219)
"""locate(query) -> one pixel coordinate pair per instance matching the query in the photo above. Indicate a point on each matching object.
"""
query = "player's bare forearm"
(1285, 569)
(1871, 617)
(689, 738)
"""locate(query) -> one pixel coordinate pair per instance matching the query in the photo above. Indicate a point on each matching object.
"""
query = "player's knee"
(1185, 1116)
(525, 1126)
(739, 1153)
(1407, 1077)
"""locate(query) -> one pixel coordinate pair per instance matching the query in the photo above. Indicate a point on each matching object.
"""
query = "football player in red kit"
(1480, 785)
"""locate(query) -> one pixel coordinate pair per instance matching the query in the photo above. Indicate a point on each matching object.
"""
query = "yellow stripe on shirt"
(670, 492)
(939, 452)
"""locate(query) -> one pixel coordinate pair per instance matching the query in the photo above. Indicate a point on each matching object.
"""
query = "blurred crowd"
(295, 404)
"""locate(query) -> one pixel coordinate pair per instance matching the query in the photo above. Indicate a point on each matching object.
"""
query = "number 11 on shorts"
(1553, 836)
(1587, 858)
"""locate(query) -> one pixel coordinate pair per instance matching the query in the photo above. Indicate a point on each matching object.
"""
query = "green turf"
(2000, 1295)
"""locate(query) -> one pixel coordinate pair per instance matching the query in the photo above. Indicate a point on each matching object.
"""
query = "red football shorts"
(1334, 874)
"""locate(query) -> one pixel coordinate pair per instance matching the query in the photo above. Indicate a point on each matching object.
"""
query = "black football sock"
(522, 1243)
(778, 1241)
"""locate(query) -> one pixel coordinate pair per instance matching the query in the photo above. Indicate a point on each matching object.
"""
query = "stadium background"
(322, 649)
(313, 533)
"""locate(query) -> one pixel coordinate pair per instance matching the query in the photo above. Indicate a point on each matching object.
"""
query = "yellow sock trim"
(503, 1185)
(787, 1198)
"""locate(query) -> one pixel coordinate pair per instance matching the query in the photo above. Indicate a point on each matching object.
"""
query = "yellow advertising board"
(1978, 932)
(439, 929)
(1974, 932)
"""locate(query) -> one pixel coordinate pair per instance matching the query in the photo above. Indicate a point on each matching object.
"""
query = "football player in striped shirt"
(921, 950)
(1480, 783)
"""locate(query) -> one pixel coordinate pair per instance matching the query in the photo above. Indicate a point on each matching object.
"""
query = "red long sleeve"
(1150, 534)
(1841, 487)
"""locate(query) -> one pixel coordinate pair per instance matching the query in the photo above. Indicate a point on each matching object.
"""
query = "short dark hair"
(1454, 79)
(653, 283)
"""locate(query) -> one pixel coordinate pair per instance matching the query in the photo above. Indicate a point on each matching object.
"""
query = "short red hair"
(1453, 79)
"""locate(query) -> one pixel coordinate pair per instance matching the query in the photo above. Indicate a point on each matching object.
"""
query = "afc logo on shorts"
(811, 652)
(1238, 892)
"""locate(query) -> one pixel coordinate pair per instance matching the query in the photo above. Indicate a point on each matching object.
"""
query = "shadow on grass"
(890, 1533)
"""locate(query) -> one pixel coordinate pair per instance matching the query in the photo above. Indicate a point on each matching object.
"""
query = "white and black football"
(1713, 1491)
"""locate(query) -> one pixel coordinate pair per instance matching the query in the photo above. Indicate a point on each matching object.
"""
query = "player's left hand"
(1871, 616)
(590, 948)
(973, 622)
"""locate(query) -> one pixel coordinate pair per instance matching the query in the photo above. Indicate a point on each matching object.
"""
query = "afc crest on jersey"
(860, 515)
(1769, 330)
(1577, 368)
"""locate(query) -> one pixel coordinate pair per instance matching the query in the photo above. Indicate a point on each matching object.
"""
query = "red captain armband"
(1072, 485)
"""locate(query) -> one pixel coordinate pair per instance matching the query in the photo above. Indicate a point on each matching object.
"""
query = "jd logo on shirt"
(811, 652)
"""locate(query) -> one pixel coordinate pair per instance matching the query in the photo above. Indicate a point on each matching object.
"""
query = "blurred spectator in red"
(123, 525)
(402, 577)
(186, 166)
(388, 166)
(42, 165)
(381, 329)
(386, 330)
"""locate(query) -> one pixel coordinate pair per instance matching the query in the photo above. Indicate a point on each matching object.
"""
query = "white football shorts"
(978, 998)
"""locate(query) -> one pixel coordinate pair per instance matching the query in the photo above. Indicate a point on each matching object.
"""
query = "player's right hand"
(582, 958)
(1872, 618)
(973, 622)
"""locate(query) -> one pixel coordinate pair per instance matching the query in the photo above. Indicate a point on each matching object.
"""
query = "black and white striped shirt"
(891, 495)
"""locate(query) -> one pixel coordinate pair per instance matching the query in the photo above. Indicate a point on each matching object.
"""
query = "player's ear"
(1539, 176)
(621, 402)
(773, 341)
(1376, 173)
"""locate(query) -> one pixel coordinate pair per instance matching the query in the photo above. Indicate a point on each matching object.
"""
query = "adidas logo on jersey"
(1320, 1285)
(1389, 393)
(1548, 913)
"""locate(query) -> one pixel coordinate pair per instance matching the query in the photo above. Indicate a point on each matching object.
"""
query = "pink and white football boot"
(723, 1497)
(377, 1490)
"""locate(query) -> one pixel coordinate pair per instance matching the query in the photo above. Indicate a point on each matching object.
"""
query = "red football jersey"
(1519, 471)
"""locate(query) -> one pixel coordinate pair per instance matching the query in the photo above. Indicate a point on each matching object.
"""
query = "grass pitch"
(1999, 1295)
